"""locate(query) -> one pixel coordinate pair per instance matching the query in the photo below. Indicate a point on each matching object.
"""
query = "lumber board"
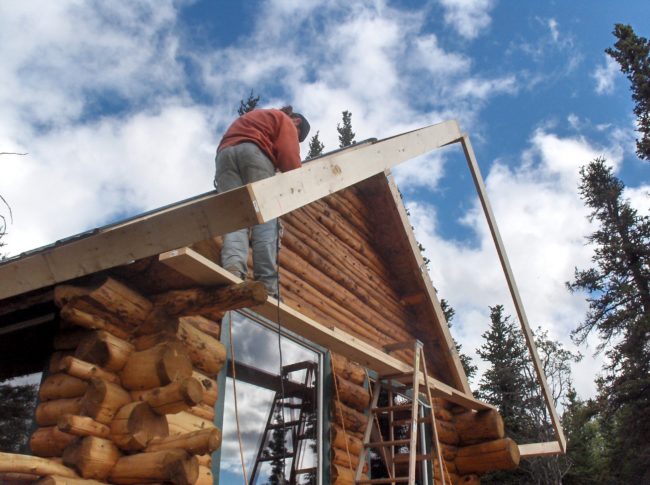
(547, 448)
(176, 226)
(291, 190)
(514, 290)
(333, 338)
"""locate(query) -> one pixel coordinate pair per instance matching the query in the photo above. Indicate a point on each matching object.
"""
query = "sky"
(119, 107)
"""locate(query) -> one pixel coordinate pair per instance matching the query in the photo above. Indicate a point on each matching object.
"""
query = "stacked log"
(131, 391)
(351, 399)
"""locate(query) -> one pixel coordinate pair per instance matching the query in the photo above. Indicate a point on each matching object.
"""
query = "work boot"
(236, 273)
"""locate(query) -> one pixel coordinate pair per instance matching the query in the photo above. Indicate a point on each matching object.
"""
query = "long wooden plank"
(170, 228)
(514, 291)
(292, 190)
(215, 214)
(547, 448)
(194, 266)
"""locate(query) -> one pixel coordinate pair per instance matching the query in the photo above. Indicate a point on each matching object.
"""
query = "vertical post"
(514, 292)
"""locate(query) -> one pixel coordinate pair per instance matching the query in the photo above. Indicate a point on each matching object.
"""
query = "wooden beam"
(214, 214)
(547, 448)
(291, 190)
(183, 224)
(514, 291)
(337, 340)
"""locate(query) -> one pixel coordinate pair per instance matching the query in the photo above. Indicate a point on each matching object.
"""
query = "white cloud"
(486, 88)
(468, 17)
(543, 225)
(553, 28)
(605, 75)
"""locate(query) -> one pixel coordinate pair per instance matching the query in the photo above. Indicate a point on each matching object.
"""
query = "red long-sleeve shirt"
(272, 131)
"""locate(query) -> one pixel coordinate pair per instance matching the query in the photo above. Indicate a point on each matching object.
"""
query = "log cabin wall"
(332, 269)
(131, 388)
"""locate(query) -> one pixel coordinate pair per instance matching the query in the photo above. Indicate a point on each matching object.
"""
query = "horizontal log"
(49, 441)
(348, 418)
(204, 460)
(61, 386)
(111, 296)
(206, 352)
(355, 396)
(202, 411)
(501, 454)
(85, 370)
(105, 350)
(82, 426)
(345, 459)
(474, 427)
(210, 388)
(447, 432)
(175, 466)
(341, 440)
(56, 480)
(17, 478)
(48, 412)
(319, 239)
(15, 463)
(342, 475)
(156, 367)
(196, 301)
(202, 442)
(92, 457)
(184, 422)
(211, 327)
(135, 425)
(89, 319)
(348, 370)
(178, 396)
(102, 400)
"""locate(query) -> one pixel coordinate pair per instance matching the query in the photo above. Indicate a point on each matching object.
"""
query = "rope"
(340, 410)
(278, 319)
(234, 387)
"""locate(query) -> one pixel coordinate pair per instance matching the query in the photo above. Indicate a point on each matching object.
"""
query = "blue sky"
(120, 106)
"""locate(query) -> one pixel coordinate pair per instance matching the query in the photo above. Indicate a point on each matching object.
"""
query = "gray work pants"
(236, 166)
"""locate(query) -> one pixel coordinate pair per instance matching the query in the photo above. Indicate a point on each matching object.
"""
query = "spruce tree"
(17, 406)
(465, 360)
(633, 55)
(249, 105)
(504, 384)
(277, 448)
(346, 135)
(618, 285)
(510, 385)
(585, 442)
(315, 146)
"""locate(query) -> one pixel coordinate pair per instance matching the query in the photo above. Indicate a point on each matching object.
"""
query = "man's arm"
(287, 148)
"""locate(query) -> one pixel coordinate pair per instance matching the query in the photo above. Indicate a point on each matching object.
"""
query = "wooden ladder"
(406, 385)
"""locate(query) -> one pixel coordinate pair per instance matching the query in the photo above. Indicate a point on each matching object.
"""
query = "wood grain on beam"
(547, 448)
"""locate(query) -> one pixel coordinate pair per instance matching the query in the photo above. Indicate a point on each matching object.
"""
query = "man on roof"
(255, 146)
